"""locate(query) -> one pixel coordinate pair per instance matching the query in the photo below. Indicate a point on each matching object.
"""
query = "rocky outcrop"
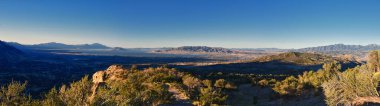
(110, 74)
(100, 77)
(117, 73)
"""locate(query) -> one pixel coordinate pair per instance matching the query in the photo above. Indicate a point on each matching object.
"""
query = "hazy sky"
(171, 23)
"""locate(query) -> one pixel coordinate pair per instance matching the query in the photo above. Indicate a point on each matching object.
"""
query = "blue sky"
(172, 23)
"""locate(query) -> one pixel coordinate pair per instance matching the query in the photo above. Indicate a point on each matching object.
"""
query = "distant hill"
(359, 52)
(260, 49)
(292, 63)
(196, 49)
(341, 47)
(9, 53)
(118, 49)
(54, 45)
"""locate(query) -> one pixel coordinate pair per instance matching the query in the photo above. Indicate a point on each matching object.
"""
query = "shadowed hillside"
(298, 58)
(284, 63)
(9, 54)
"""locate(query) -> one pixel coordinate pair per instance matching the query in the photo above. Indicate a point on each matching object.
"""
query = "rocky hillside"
(196, 49)
(9, 53)
(298, 58)
(155, 87)
(159, 81)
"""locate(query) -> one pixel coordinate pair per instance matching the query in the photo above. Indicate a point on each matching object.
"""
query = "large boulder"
(98, 77)
(112, 73)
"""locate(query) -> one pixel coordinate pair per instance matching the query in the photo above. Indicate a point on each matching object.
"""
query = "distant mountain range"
(336, 49)
(54, 45)
(9, 53)
(328, 48)
(341, 47)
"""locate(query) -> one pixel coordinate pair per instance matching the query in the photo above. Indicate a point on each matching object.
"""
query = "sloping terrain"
(298, 58)
(9, 53)
(157, 80)
(284, 63)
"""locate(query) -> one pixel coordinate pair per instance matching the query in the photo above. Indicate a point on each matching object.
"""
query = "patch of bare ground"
(180, 96)
(367, 101)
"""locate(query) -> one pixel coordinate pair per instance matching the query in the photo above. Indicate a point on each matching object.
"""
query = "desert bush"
(191, 81)
(126, 88)
(289, 86)
(272, 82)
(220, 83)
(77, 93)
(329, 70)
(349, 85)
(308, 82)
(263, 83)
(138, 88)
(207, 83)
(210, 95)
(52, 99)
(374, 60)
(13, 94)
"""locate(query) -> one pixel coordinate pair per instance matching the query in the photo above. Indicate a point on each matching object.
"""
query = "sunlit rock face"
(98, 77)
(111, 73)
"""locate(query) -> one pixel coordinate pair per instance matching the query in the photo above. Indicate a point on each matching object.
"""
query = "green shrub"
(210, 95)
(263, 83)
(349, 85)
(14, 94)
(289, 86)
(220, 83)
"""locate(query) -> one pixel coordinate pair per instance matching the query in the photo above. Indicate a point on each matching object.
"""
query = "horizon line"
(90, 43)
